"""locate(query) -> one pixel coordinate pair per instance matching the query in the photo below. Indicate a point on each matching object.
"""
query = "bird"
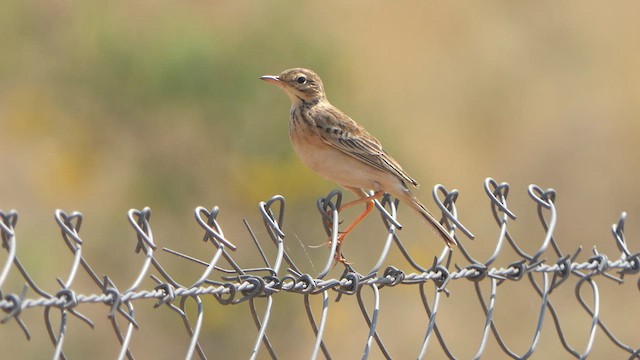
(339, 149)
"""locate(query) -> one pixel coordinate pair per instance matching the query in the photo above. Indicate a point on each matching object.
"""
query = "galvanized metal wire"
(230, 284)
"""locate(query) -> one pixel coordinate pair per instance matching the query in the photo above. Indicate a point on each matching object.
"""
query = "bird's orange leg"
(367, 199)
(370, 203)
(356, 202)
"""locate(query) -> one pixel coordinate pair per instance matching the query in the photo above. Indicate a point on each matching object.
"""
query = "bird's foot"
(338, 255)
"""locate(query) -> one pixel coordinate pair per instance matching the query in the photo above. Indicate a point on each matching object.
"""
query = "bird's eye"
(301, 79)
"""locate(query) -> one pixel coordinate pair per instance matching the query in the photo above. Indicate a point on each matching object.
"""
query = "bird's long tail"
(414, 203)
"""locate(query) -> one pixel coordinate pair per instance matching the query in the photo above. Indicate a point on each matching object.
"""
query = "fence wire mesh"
(547, 269)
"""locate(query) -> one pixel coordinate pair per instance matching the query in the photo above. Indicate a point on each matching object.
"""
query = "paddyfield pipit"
(339, 149)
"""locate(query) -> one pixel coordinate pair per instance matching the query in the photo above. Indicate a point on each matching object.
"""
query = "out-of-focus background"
(106, 106)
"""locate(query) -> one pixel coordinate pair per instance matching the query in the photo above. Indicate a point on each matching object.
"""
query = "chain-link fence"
(547, 269)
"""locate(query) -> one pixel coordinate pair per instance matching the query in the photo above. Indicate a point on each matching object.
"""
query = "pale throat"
(295, 99)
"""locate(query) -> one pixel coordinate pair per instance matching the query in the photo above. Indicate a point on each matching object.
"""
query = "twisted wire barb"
(235, 284)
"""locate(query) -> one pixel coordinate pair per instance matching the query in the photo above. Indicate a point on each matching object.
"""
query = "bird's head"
(300, 84)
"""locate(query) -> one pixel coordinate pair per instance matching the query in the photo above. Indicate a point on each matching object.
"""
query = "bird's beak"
(271, 79)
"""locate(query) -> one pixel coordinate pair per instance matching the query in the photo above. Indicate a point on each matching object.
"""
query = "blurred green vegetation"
(105, 106)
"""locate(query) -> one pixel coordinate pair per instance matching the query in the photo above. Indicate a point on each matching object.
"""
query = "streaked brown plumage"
(336, 147)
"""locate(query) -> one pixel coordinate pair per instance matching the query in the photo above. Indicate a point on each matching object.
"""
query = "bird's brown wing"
(349, 137)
